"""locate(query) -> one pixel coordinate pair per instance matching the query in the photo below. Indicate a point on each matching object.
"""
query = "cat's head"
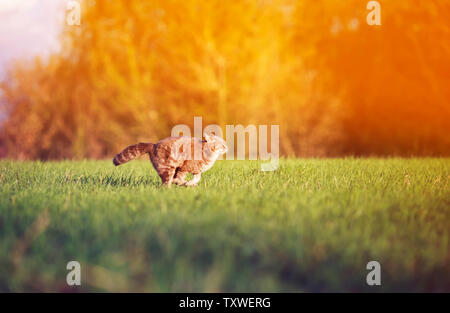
(216, 144)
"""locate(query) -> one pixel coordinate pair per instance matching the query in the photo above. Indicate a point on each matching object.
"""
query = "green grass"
(312, 225)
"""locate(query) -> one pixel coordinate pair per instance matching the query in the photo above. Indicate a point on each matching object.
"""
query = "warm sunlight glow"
(335, 85)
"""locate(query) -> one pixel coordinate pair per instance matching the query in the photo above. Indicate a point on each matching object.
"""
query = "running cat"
(174, 157)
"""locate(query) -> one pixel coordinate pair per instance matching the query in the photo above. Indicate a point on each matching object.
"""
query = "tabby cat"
(174, 157)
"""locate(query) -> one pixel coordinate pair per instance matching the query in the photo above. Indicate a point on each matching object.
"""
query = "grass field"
(312, 225)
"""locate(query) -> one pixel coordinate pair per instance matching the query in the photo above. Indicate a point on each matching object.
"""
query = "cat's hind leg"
(166, 175)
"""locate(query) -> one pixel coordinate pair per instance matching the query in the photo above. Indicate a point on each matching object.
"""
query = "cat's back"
(172, 150)
(174, 143)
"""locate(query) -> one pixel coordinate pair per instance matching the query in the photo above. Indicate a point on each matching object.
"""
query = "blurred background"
(133, 69)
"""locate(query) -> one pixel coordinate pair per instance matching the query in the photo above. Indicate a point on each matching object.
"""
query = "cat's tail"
(132, 152)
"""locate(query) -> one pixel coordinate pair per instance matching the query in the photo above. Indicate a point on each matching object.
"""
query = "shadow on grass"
(114, 181)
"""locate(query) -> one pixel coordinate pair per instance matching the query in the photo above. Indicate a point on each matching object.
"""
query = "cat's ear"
(207, 137)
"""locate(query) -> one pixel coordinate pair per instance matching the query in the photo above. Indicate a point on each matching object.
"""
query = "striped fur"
(132, 152)
(173, 158)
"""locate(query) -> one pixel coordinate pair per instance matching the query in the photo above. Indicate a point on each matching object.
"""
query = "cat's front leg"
(179, 177)
(194, 181)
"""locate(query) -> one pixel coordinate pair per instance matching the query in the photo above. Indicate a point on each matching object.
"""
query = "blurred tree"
(335, 85)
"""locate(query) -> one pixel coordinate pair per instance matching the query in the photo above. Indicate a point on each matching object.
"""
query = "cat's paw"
(179, 182)
(189, 184)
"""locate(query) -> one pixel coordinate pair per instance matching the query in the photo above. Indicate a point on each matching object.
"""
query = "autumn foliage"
(335, 85)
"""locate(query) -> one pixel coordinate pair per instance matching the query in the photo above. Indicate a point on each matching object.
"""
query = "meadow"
(311, 226)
